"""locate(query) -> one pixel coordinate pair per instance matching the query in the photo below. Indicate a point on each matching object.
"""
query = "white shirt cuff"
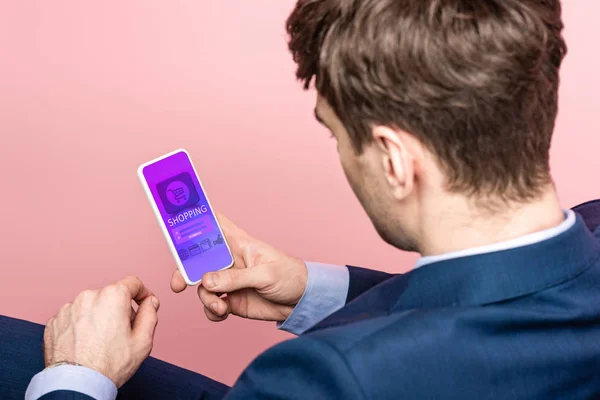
(325, 293)
(72, 378)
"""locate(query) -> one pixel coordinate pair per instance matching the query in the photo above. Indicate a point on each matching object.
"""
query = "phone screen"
(184, 209)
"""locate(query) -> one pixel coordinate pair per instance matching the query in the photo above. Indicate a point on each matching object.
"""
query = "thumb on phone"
(234, 279)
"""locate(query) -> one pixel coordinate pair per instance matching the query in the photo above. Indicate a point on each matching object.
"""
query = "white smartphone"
(185, 216)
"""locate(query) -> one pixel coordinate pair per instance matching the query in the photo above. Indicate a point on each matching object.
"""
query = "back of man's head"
(475, 81)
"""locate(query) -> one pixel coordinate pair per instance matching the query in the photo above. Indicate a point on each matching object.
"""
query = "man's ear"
(397, 160)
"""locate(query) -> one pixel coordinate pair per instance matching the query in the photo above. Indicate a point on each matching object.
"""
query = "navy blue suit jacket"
(515, 324)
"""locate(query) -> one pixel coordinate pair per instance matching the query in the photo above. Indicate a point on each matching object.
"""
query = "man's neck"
(459, 224)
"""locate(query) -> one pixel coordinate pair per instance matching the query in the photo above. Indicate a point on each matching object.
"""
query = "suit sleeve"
(362, 279)
(302, 368)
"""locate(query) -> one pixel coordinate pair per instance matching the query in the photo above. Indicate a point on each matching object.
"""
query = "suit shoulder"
(410, 328)
(403, 352)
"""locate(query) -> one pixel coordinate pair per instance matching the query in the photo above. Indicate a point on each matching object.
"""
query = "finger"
(178, 284)
(213, 302)
(227, 225)
(213, 317)
(145, 321)
(64, 309)
(135, 288)
(132, 315)
(234, 279)
(235, 236)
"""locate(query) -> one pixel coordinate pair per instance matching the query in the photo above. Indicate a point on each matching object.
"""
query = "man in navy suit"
(443, 113)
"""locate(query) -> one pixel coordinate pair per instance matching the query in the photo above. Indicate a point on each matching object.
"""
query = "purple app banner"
(187, 215)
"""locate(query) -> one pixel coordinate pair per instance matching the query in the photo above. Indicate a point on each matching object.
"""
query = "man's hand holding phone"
(264, 283)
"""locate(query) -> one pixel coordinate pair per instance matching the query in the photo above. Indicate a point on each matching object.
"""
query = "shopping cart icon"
(178, 193)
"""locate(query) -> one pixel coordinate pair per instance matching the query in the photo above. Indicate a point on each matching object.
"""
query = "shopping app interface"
(186, 213)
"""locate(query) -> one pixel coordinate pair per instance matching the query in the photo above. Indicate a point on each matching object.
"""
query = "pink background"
(90, 90)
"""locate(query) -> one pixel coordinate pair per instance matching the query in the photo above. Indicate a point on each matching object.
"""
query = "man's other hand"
(264, 283)
(102, 331)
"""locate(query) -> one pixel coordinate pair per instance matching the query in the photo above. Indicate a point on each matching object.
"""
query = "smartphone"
(185, 216)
